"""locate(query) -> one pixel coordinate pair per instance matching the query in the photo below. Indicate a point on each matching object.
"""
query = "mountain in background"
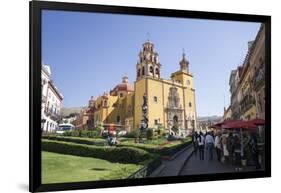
(213, 118)
(66, 111)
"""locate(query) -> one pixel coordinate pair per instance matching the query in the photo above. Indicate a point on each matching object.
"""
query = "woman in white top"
(218, 146)
(224, 147)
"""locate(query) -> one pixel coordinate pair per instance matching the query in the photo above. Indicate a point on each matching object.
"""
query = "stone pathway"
(196, 166)
(173, 166)
(186, 162)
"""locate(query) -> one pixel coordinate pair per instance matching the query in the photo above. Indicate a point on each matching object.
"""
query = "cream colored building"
(51, 102)
(247, 82)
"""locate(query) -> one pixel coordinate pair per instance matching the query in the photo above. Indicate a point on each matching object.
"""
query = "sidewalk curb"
(162, 167)
(157, 171)
(179, 152)
(185, 162)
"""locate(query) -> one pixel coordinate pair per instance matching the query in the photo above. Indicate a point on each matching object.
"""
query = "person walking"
(225, 152)
(237, 153)
(218, 146)
(254, 150)
(230, 147)
(200, 140)
(209, 143)
(195, 143)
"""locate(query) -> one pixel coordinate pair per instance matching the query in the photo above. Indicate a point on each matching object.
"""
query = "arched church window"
(157, 71)
(105, 103)
(139, 72)
(143, 70)
(151, 70)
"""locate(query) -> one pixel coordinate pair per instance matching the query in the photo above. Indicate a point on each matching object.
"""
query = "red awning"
(258, 121)
(240, 124)
(220, 124)
(214, 127)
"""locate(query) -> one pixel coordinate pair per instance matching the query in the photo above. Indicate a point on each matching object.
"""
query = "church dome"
(124, 86)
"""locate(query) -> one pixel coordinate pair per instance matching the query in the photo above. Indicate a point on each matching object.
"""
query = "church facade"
(171, 102)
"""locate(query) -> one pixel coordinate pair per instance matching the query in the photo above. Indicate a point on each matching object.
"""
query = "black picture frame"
(36, 8)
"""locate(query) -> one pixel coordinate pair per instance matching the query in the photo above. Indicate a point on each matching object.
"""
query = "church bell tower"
(183, 75)
(148, 64)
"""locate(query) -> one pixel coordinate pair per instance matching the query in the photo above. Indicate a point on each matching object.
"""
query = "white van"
(64, 127)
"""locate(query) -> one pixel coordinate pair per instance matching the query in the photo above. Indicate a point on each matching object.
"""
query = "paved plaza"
(187, 162)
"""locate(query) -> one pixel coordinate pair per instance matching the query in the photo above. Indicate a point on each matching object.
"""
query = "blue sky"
(90, 52)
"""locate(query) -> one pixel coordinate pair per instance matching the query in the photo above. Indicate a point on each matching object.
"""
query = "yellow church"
(171, 102)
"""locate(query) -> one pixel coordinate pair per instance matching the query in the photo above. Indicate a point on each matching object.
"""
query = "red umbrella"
(258, 121)
(240, 125)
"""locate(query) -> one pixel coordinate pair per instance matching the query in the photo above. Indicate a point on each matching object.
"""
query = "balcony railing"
(259, 79)
(54, 116)
(44, 99)
(247, 102)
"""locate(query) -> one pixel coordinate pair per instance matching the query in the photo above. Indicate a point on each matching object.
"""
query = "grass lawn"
(59, 168)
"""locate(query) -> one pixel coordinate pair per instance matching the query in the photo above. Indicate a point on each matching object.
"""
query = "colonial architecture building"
(171, 102)
(227, 113)
(247, 82)
(51, 102)
(258, 72)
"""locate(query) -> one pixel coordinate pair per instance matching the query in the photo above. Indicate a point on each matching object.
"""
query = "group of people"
(227, 146)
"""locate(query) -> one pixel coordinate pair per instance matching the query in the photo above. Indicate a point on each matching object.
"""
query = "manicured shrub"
(170, 150)
(161, 131)
(136, 133)
(163, 149)
(113, 154)
(81, 133)
(71, 139)
(149, 134)
(67, 133)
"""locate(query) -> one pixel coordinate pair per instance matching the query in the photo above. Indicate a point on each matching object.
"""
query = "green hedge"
(81, 133)
(168, 149)
(113, 154)
(86, 141)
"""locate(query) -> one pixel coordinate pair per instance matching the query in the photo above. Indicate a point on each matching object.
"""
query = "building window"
(143, 69)
(139, 72)
(190, 105)
(155, 122)
(118, 119)
(121, 95)
(155, 99)
(151, 70)
(157, 71)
